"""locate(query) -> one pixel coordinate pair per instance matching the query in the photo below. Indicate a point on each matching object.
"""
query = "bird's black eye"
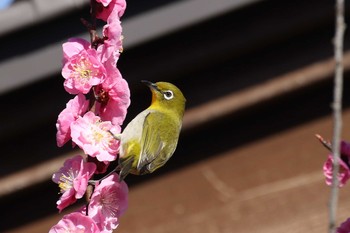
(168, 95)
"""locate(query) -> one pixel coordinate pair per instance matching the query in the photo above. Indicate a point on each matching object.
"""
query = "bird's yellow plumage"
(150, 139)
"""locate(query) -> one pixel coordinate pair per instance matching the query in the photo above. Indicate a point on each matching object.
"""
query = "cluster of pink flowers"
(92, 70)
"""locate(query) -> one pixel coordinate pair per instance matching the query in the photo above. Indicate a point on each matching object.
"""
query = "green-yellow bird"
(150, 139)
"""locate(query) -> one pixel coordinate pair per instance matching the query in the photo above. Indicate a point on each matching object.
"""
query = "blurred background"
(257, 75)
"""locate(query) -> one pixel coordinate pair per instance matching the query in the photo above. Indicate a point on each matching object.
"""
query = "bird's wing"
(151, 143)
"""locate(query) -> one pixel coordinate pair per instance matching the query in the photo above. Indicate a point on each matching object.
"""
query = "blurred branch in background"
(337, 109)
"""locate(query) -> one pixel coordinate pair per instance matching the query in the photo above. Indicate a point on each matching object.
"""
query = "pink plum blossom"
(73, 179)
(110, 9)
(74, 108)
(94, 137)
(344, 227)
(75, 223)
(108, 202)
(82, 68)
(344, 170)
(116, 90)
(110, 50)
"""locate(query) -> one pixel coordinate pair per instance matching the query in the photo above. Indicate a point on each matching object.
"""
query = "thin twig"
(337, 108)
(324, 142)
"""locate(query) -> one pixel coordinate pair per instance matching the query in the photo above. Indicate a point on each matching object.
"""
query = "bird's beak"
(151, 85)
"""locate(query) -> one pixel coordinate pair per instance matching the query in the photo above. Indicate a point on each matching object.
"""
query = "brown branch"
(91, 27)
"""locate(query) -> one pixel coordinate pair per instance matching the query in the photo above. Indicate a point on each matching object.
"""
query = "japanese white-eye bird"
(150, 139)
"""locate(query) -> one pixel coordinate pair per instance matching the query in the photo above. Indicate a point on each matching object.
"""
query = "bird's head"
(166, 96)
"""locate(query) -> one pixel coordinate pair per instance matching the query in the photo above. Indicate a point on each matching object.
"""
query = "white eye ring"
(168, 95)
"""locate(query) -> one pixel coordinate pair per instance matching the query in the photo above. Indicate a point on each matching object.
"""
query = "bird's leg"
(94, 182)
(125, 168)
(115, 136)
